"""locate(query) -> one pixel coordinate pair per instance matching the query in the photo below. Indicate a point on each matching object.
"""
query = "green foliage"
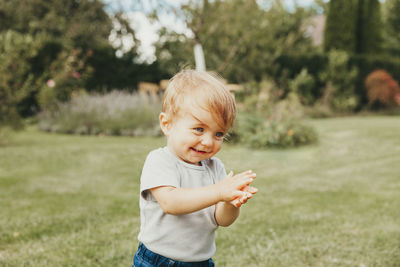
(315, 63)
(240, 39)
(17, 80)
(67, 74)
(108, 72)
(78, 23)
(52, 33)
(354, 26)
(174, 52)
(116, 113)
(340, 79)
(257, 96)
(391, 30)
(369, 27)
(272, 124)
(257, 133)
(329, 79)
(303, 85)
(340, 26)
(61, 47)
(291, 65)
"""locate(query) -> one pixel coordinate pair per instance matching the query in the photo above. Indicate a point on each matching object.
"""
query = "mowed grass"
(73, 200)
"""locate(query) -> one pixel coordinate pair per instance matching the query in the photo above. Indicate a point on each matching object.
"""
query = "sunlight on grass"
(73, 200)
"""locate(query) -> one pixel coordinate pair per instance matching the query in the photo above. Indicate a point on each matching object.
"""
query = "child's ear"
(165, 123)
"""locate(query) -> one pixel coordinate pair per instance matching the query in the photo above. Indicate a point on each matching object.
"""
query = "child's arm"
(179, 201)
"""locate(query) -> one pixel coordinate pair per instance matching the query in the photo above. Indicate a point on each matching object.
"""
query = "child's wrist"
(217, 192)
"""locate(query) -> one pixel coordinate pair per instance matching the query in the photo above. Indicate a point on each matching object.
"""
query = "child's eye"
(199, 129)
(219, 134)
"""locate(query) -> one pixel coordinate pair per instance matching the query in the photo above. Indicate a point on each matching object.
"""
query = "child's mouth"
(198, 151)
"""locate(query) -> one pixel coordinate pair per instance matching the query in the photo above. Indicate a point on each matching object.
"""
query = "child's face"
(193, 136)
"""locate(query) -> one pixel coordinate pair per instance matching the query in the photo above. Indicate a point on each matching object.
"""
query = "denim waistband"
(158, 260)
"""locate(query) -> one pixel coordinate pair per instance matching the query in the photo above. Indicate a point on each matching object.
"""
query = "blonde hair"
(191, 88)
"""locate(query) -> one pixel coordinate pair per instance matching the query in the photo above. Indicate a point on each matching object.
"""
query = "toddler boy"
(185, 193)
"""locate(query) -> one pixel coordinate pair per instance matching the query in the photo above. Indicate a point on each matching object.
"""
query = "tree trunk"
(199, 57)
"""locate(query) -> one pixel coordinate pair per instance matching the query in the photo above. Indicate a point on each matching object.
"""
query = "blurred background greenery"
(326, 58)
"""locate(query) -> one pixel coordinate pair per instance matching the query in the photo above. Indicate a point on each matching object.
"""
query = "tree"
(240, 39)
(79, 23)
(392, 27)
(353, 26)
(340, 26)
(58, 30)
(17, 80)
(58, 41)
(174, 51)
(368, 27)
(340, 80)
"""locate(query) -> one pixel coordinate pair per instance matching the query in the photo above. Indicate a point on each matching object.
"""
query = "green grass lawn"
(73, 200)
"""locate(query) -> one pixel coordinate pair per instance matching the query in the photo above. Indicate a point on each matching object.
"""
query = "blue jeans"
(147, 258)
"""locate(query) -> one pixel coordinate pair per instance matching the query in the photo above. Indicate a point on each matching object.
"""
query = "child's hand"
(232, 187)
(250, 191)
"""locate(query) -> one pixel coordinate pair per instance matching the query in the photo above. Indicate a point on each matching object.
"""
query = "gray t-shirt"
(188, 237)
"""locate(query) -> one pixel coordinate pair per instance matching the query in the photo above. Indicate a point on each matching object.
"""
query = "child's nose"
(206, 140)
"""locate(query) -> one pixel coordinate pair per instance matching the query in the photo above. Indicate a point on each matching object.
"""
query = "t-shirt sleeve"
(219, 169)
(158, 170)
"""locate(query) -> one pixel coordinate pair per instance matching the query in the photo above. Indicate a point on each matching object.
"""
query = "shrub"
(257, 96)
(303, 85)
(281, 126)
(17, 81)
(116, 113)
(292, 64)
(66, 73)
(382, 89)
(339, 80)
(367, 64)
(258, 132)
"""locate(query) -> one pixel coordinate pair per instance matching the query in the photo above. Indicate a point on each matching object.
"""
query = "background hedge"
(289, 66)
